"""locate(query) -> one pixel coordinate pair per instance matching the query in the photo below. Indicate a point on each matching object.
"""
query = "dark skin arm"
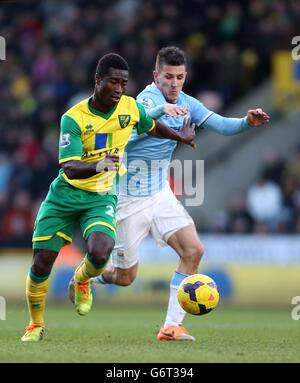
(75, 169)
(185, 135)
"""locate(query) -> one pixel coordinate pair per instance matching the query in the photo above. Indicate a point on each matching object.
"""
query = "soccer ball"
(198, 294)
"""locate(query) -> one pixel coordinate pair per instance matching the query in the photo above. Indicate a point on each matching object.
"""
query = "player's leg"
(187, 245)
(173, 226)
(131, 230)
(117, 275)
(37, 285)
(99, 247)
(190, 250)
(53, 229)
(98, 226)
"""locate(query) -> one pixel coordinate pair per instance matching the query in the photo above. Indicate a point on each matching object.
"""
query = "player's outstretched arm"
(75, 169)
(185, 135)
(172, 110)
(230, 126)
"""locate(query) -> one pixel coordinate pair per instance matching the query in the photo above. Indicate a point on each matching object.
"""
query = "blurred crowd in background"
(270, 205)
(52, 51)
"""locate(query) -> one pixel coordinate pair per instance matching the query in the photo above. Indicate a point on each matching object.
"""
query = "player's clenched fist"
(109, 163)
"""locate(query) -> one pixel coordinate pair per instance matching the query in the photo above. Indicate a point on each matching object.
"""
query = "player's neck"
(95, 103)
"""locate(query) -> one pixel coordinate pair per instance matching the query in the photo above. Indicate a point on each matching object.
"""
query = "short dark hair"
(111, 60)
(170, 56)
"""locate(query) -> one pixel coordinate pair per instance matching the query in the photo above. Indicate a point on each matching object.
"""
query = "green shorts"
(64, 207)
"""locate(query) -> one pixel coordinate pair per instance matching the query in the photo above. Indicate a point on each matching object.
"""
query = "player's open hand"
(175, 110)
(187, 132)
(256, 117)
(108, 163)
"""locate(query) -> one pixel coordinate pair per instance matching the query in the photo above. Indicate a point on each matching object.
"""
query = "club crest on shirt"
(124, 120)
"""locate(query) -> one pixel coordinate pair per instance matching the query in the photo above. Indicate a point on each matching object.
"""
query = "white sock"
(175, 313)
(99, 279)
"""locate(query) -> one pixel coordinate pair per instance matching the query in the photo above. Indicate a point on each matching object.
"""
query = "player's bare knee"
(43, 261)
(125, 280)
(194, 253)
(40, 270)
(100, 250)
(201, 249)
(100, 255)
(125, 277)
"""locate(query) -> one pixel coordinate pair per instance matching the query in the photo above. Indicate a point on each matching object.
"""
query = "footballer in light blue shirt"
(146, 203)
(148, 157)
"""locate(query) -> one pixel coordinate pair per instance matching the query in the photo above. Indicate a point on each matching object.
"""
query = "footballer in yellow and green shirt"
(93, 137)
(88, 135)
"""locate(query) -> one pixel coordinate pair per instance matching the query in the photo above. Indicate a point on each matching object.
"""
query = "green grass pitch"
(128, 334)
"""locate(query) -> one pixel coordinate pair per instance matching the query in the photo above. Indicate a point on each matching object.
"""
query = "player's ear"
(155, 76)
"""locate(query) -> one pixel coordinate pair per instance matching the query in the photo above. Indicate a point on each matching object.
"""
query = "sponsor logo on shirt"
(89, 129)
(147, 102)
(114, 151)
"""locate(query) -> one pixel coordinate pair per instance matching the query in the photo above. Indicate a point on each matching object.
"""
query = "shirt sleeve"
(206, 119)
(152, 108)
(70, 144)
(147, 100)
(199, 113)
(226, 126)
(146, 123)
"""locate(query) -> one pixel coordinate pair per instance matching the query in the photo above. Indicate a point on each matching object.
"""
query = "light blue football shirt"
(148, 158)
